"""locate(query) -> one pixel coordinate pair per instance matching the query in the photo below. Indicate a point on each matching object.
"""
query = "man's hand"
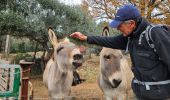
(78, 35)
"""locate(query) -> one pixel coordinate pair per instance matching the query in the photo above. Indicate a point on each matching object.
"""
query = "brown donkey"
(115, 74)
(58, 74)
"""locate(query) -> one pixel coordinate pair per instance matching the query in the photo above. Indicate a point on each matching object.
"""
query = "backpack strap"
(148, 84)
(149, 37)
(147, 34)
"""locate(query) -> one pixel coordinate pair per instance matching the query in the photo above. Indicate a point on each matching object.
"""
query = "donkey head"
(110, 63)
(66, 54)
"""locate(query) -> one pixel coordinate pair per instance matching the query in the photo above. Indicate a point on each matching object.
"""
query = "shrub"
(21, 56)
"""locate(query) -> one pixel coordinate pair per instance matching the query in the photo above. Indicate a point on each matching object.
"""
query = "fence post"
(26, 67)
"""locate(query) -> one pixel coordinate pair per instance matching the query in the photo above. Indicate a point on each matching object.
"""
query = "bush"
(21, 56)
(35, 69)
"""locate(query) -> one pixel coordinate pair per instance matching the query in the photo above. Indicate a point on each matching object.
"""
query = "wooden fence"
(10, 80)
(14, 80)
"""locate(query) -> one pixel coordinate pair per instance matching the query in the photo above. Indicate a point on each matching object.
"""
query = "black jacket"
(147, 65)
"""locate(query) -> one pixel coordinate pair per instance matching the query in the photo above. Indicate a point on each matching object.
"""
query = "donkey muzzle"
(76, 64)
(116, 83)
(77, 60)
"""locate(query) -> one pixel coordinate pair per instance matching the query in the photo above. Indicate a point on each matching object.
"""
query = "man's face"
(127, 27)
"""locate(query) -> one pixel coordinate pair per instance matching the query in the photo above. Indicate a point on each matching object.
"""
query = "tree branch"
(159, 14)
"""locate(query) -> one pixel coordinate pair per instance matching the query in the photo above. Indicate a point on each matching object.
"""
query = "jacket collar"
(140, 28)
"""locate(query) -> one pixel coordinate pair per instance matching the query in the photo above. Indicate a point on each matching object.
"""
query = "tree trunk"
(35, 51)
(7, 45)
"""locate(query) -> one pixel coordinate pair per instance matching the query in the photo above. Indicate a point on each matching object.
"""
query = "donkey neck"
(58, 70)
(60, 73)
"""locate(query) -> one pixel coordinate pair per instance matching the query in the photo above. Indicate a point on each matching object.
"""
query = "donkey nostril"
(107, 56)
(116, 82)
(77, 56)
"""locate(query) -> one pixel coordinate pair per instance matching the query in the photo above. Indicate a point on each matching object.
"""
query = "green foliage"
(21, 56)
(31, 19)
(2, 40)
(23, 45)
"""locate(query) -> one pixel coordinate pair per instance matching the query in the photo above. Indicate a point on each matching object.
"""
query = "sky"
(71, 2)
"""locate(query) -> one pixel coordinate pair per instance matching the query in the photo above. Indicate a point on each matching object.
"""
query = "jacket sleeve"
(161, 40)
(117, 42)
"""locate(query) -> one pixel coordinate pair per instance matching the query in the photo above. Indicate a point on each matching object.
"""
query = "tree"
(153, 10)
(7, 45)
(25, 18)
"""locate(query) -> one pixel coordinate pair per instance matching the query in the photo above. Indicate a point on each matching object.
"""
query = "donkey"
(58, 74)
(115, 74)
(76, 80)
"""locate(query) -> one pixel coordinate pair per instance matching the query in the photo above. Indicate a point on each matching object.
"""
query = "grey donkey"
(58, 74)
(115, 74)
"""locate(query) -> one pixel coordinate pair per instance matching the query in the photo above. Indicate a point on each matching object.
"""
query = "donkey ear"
(105, 31)
(52, 37)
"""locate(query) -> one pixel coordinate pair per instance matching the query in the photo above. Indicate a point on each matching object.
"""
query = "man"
(151, 68)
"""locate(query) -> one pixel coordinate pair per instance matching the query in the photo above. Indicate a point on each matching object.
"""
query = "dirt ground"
(88, 90)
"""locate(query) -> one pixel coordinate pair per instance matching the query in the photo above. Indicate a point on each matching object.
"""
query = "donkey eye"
(107, 56)
(59, 49)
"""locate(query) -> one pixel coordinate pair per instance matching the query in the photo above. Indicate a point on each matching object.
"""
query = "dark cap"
(125, 13)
